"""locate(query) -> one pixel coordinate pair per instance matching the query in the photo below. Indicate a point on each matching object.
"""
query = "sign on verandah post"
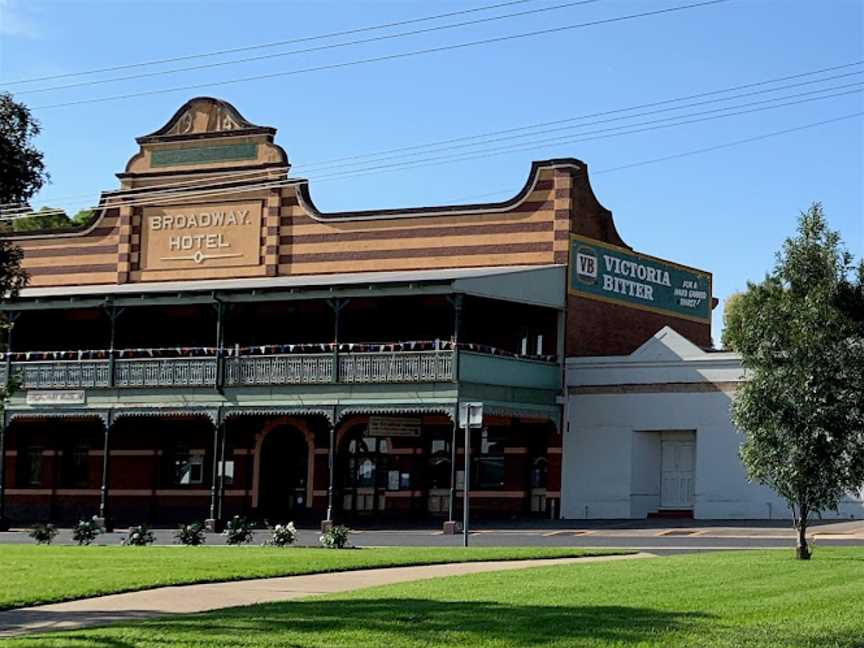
(470, 417)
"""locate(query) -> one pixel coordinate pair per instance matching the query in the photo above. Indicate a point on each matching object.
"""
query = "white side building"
(651, 433)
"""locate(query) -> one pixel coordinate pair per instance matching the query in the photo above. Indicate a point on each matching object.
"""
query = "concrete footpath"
(186, 599)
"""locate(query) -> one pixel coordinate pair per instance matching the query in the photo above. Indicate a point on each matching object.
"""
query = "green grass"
(31, 574)
(734, 599)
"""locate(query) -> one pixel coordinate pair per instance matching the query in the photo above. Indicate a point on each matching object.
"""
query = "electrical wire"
(387, 57)
(248, 48)
(309, 50)
(588, 136)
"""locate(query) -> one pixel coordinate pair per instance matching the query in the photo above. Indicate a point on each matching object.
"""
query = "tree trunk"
(802, 549)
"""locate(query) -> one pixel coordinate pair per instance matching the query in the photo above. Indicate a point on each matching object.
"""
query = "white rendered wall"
(611, 465)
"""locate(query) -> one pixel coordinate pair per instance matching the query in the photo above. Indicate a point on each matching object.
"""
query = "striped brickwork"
(296, 239)
(90, 257)
(521, 234)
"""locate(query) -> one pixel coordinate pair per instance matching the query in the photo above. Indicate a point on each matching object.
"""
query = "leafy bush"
(85, 532)
(191, 534)
(283, 535)
(43, 533)
(336, 537)
(238, 531)
(139, 536)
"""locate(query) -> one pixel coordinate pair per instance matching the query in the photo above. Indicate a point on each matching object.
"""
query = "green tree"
(800, 333)
(731, 317)
(45, 218)
(22, 174)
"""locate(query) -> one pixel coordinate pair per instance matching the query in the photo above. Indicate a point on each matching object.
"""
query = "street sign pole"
(465, 486)
(470, 417)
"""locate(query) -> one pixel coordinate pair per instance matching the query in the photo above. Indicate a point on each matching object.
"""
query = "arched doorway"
(283, 479)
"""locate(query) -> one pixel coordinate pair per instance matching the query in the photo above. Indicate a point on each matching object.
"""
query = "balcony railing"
(276, 369)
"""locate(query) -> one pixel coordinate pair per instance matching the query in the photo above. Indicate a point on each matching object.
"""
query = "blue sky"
(726, 211)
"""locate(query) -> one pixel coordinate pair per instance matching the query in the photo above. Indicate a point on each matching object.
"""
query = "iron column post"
(103, 492)
(222, 469)
(211, 521)
(331, 464)
(5, 421)
(451, 513)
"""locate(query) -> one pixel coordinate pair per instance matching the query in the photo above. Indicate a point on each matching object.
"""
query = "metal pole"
(113, 314)
(452, 504)
(466, 485)
(11, 317)
(331, 463)
(213, 489)
(103, 493)
(222, 471)
(220, 339)
(3, 524)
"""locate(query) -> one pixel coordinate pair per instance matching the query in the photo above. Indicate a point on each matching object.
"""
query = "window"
(539, 470)
(439, 463)
(188, 467)
(366, 465)
(30, 467)
(488, 462)
(76, 466)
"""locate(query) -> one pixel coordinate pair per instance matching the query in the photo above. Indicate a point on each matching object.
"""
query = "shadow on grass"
(395, 622)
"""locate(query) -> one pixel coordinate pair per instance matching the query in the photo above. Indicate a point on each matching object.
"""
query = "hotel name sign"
(201, 236)
(618, 275)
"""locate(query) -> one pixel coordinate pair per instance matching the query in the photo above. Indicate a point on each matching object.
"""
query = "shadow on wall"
(385, 621)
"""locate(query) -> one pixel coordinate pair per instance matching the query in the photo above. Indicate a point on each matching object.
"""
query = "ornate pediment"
(203, 117)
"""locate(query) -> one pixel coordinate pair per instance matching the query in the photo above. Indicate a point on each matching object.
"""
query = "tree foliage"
(22, 174)
(800, 333)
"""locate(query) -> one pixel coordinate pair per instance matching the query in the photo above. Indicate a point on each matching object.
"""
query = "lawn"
(733, 599)
(40, 574)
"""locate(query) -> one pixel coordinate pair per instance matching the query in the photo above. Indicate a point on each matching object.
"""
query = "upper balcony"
(266, 334)
(275, 365)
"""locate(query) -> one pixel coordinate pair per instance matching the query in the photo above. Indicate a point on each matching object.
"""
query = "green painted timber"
(514, 372)
(204, 154)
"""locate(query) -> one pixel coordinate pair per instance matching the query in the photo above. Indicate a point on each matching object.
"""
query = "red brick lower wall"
(596, 328)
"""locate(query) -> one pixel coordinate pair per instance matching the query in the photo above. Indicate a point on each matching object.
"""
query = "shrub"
(85, 532)
(139, 536)
(191, 534)
(238, 531)
(43, 533)
(283, 535)
(336, 537)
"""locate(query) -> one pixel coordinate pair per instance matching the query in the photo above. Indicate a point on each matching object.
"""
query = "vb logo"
(586, 265)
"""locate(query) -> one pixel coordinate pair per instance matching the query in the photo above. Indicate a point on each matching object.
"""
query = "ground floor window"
(188, 467)
(30, 466)
(76, 468)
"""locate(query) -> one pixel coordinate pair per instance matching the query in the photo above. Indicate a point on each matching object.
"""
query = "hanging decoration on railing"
(267, 349)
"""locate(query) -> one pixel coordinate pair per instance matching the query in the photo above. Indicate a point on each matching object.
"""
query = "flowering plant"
(336, 537)
(85, 532)
(191, 535)
(238, 531)
(283, 535)
(43, 533)
(139, 536)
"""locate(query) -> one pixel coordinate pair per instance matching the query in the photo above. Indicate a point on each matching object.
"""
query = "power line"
(585, 137)
(601, 114)
(248, 48)
(309, 50)
(698, 151)
(589, 136)
(389, 57)
(368, 156)
(430, 145)
(717, 147)
(601, 121)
